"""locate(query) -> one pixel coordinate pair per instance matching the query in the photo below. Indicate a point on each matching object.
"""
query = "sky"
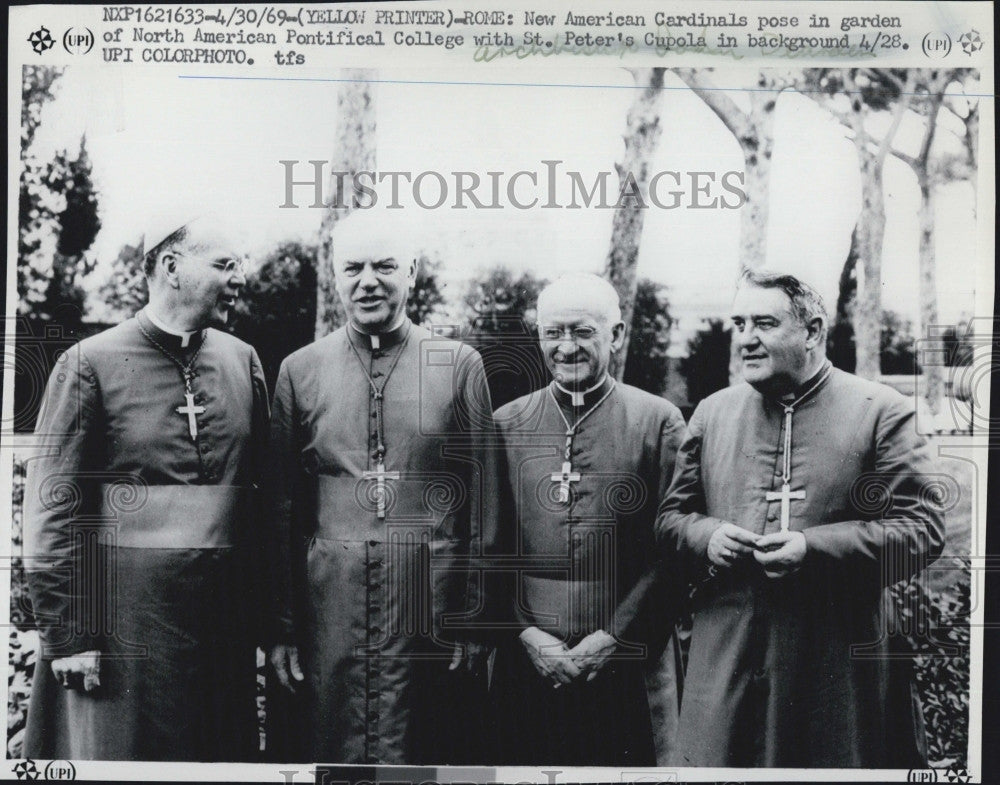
(165, 146)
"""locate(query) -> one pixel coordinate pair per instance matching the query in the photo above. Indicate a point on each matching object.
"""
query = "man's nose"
(747, 337)
(567, 345)
(367, 278)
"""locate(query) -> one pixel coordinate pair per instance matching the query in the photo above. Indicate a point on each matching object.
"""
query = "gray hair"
(806, 301)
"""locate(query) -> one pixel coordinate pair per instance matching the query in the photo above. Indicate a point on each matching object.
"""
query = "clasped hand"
(779, 554)
(79, 671)
(561, 665)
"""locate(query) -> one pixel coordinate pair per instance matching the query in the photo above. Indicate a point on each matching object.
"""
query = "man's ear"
(414, 269)
(168, 266)
(814, 329)
(617, 336)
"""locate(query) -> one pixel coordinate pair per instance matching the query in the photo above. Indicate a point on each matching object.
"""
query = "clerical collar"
(167, 336)
(384, 340)
(807, 388)
(588, 397)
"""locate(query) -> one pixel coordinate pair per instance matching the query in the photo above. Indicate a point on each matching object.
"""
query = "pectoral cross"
(786, 494)
(191, 410)
(564, 478)
(380, 475)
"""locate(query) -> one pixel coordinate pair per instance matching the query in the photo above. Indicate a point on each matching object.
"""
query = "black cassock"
(583, 564)
(139, 544)
(799, 671)
(376, 598)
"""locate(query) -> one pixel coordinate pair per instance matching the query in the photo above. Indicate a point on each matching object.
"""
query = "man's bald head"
(583, 291)
(377, 232)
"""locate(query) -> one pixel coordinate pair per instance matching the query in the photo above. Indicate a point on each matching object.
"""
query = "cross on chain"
(191, 410)
(564, 478)
(567, 475)
(380, 475)
(786, 494)
(187, 374)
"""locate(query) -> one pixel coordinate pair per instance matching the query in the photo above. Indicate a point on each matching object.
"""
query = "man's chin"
(571, 381)
(219, 318)
(371, 321)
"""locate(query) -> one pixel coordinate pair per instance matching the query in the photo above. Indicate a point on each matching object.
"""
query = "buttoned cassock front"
(586, 564)
(375, 603)
(140, 544)
(798, 671)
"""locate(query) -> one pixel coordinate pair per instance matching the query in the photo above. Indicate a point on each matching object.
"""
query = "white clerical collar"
(376, 338)
(576, 397)
(184, 336)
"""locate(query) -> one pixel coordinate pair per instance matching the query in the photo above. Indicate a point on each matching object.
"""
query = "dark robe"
(583, 565)
(799, 671)
(139, 544)
(376, 604)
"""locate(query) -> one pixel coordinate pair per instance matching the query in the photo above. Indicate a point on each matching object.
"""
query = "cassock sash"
(347, 506)
(175, 516)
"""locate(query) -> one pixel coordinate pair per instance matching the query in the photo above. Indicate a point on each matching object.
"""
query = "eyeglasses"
(579, 333)
(231, 266)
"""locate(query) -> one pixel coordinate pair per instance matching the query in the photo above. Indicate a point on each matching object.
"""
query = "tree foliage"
(706, 367)
(425, 297)
(125, 291)
(276, 313)
(647, 362)
(57, 215)
(501, 319)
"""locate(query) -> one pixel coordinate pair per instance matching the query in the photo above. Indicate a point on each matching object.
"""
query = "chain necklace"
(567, 475)
(786, 494)
(380, 475)
(188, 409)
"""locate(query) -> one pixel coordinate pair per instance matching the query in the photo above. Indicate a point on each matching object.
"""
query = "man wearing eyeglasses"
(138, 532)
(588, 460)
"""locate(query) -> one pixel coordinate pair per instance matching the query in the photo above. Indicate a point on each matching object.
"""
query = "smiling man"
(138, 534)
(588, 460)
(771, 510)
(384, 476)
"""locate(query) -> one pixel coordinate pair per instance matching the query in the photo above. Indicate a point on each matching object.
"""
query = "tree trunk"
(758, 147)
(871, 233)
(933, 384)
(354, 151)
(755, 134)
(641, 139)
(841, 350)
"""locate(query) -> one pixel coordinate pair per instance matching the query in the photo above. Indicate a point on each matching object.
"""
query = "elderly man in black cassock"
(588, 459)
(384, 481)
(799, 496)
(138, 539)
